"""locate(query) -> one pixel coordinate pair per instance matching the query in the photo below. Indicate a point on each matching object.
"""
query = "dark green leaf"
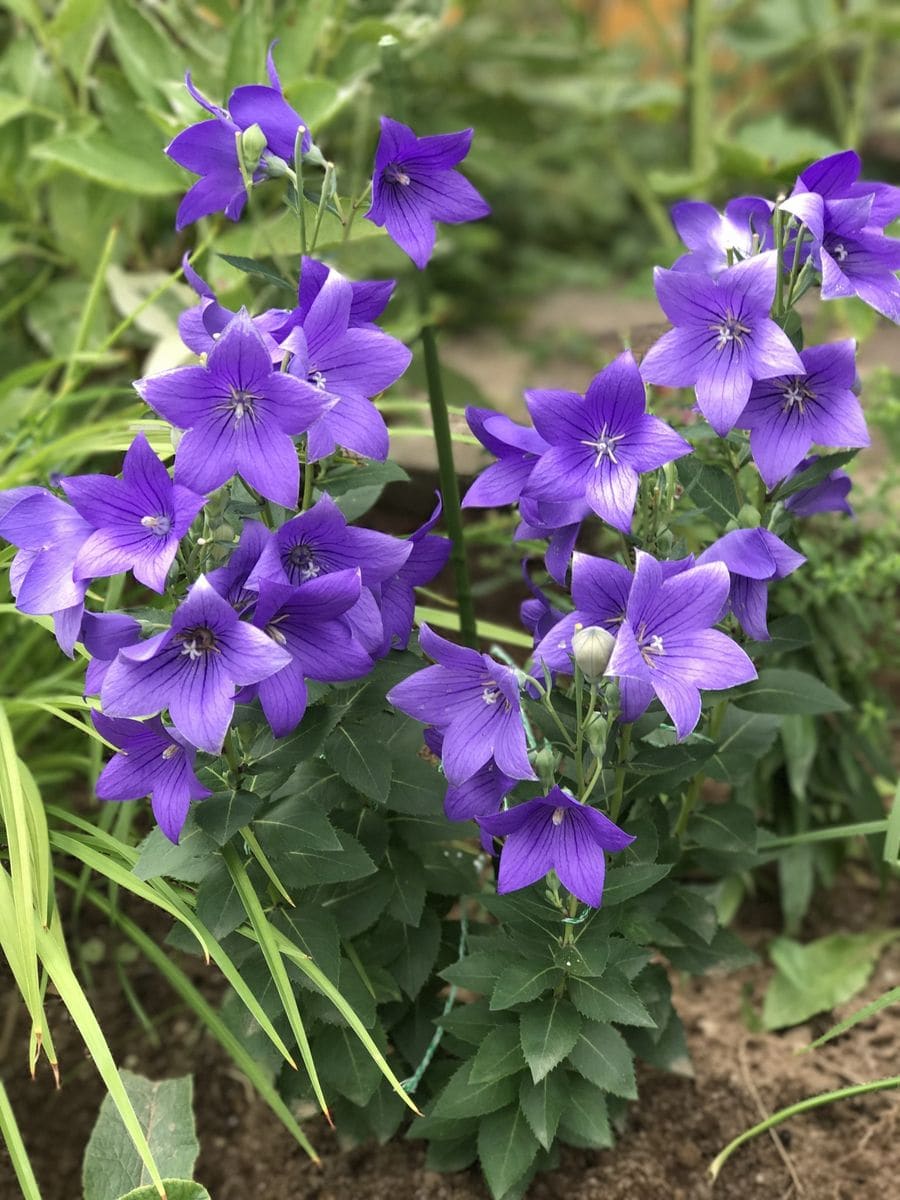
(499, 1054)
(548, 1032)
(451, 1156)
(779, 690)
(543, 1104)
(624, 882)
(744, 737)
(462, 1098)
(710, 489)
(219, 906)
(609, 998)
(263, 270)
(602, 1057)
(408, 900)
(345, 1064)
(585, 1121)
(728, 827)
(190, 861)
(506, 1149)
(360, 759)
(520, 982)
(222, 815)
(815, 474)
(419, 947)
(820, 975)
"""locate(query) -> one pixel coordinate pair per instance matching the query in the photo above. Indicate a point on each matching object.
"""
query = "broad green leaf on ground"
(506, 1148)
(585, 1122)
(548, 1032)
(820, 975)
(176, 1189)
(543, 1104)
(112, 1166)
(611, 997)
(498, 1055)
(601, 1056)
(521, 982)
(461, 1098)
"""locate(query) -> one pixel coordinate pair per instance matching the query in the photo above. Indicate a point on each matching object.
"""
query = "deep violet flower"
(138, 520)
(538, 614)
(836, 177)
(152, 761)
(754, 558)
(192, 668)
(230, 580)
(414, 185)
(209, 148)
(201, 325)
(305, 621)
(103, 634)
(666, 647)
(240, 413)
(788, 414)
(517, 449)
(396, 595)
(555, 833)
(474, 702)
(829, 495)
(745, 229)
(600, 443)
(557, 521)
(481, 793)
(723, 338)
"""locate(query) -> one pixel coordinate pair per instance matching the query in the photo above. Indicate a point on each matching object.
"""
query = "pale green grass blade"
(258, 853)
(491, 632)
(265, 936)
(18, 1155)
(892, 837)
(862, 1014)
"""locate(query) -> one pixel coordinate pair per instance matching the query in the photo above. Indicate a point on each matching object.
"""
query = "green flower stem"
(837, 833)
(778, 228)
(859, 1089)
(298, 188)
(619, 790)
(579, 729)
(700, 101)
(688, 804)
(308, 477)
(447, 471)
(259, 854)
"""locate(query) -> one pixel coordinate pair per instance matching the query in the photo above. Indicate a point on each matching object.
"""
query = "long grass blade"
(18, 1155)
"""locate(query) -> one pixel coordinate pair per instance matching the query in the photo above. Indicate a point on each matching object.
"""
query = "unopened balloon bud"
(251, 144)
(545, 766)
(592, 648)
(748, 517)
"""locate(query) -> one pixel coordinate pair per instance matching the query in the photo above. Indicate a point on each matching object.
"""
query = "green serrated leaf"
(602, 1057)
(624, 882)
(345, 1065)
(506, 1149)
(499, 1054)
(611, 997)
(262, 270)
(461, 1098)
(518, 983)
(418, 951)
(710, 488)
(780, 690)
(585, 1121)
(361, 760)
(176, 1189)
(548, 1032)
(543, 1104)
(222, 815)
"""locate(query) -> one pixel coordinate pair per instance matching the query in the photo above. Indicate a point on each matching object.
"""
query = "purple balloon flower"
(538, 614)
(557, 521)
(723, 338)
(138, 520)
(555, 833)
(474, 702)
(241, 416)
(49, 535)
(152, 761)
(481, 793)
(600, 443)
(829, 495)
(787, 415)
(745, 229)
(517, 449)
(396, 595)
(414, 185)
(209, 148)
(192, 668)
(306, 622)
(103, 635)
(346, 364)
(754, 558)
(369, 297)
(837, 178)
(230, 581)
(201, 326)
(666, 646)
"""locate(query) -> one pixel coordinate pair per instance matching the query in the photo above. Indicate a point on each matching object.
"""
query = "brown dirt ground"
(835, 1153)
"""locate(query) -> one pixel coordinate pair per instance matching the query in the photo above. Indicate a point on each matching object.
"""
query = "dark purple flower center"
(650, 647)
(394, 173)
(198, 642)
(731, 331)
(242, 404)
(796, 395)
(301, 561)
(161, 524)
(604, 445)
(836, 249)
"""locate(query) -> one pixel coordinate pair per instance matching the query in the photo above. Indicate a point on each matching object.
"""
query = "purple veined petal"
(678, 357)
(600, 587)
(206, 456)
(291, 405)
(646, 584)
(578, 860)
(183, 396)
(283, 697)
(195, 280)
(786, 559)
(428, 558)
(723, 387)
(448, 653)
(562, 473)
(605, 832)
(651, 443)
(423, 697)
(499, 484)
(695, 223)
(808, 207)
(681, 701)
(744, 552)
(748, 288)
(704, 658)
(885, 202)
(397, 602)
(171, 800)
(240, 359)
(560, 416)
(686, 298)
(555, 647)
(408, 222)
(222, 191)
(615, 398)
(626, 659)
(66, 627)
(834, 174)
(130, 689)
(247, 655)
(518, 818)
(559, 551)
(612, 492)
(361, 362)
(502, 432)
(436, 152)
(635, 697)
(370, 299)
(230, 580)
(329, 313)
(104, 633)
(478, 796)
(256, 104)
(38, 520)
(831, 366)
(527, 856)
(106, 553)
(326, 651)
(47, 586)
(778, 445)
(749, 603)
(835, 284)
(770, 353)
(98, 499)
(207, 148)
(688, 601)
(365, 623)
(510, 750)
(396, 139)
(450, 196)
(320, 599)
(379, 555)
(201, 704)
(468, 742)
(267, 459)
(354, 423)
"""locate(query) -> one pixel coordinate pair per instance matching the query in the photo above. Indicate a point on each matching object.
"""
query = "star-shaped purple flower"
(396, 595)
(745, 229)
(474, 702)
(200, 326)
(666, 646)
(241, 416)
(138, 520)
(555, 833)
(557, 521)
(481, 793)
(306, 622)
(829, 495)
(230, 580)
(152, 761)
(414, 185)
(754, 558)
(538, 614)
(192, 668)
(517, 449)
(600, 443)
(103, 634)
(787, 415)
(723, 338)
(347, 364)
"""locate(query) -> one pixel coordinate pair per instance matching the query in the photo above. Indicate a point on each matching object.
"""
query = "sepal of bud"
(251, 143)
(592, 648)
(749, 518)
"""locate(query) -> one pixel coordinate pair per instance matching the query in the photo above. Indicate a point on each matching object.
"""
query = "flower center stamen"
(198, 641)
(394, 173)
(491, 694)
(558, 815)
(730, 330)
(839, 251)
(796, 395)
(161, 525)
(651, 648)
(302, 559)
(170, 751)
(242, 404)
(604, 445)
(317, 379)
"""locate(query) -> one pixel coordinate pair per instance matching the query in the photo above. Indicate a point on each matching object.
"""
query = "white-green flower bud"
(592, 648)
(748, 517)
(251, 144)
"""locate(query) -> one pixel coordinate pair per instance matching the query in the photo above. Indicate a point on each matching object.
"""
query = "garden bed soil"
(835, 1153)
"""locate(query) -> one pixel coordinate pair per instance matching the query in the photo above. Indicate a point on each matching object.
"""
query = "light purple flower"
(600, 443)
(230, 580)
(396, 595)
(306, 622)
(152, 761)
(369, 297)
(745, 229)
(138, 520)
(555, 833)
(787, 415)
(481, 793)
(347, 364)
(103, 634)
(557, 521)
(754, 558)
(666, 647)
(192, 668)
(414, 185)
(723, 338)
(538, 614)
(829, 495)
(474, 702)
(517, 449)
(201, 326)
(241, 416)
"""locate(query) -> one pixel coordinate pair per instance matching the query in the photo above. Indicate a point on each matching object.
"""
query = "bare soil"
(834, 1153)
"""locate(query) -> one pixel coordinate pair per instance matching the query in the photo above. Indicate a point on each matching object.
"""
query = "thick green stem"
(778, 227)
(619, 790)
(700, 90)
(579, 729)
(308, 477)
(443, 441)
